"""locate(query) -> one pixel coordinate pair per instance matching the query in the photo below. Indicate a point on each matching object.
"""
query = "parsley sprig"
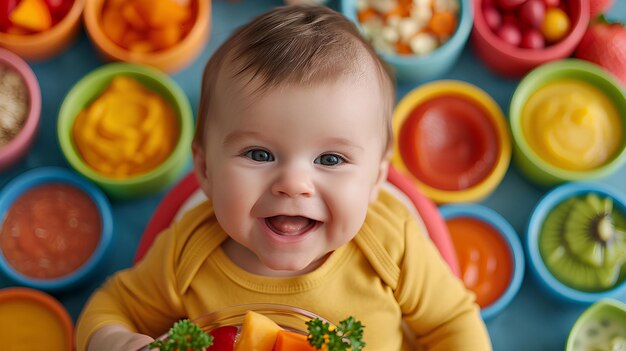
(347, 336)
(184, 336)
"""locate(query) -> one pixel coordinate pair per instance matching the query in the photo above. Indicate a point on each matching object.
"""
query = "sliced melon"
(258, 333)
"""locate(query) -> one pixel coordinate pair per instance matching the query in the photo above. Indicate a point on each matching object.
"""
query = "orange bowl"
(168, 60)
(49, 43)
(33, 320)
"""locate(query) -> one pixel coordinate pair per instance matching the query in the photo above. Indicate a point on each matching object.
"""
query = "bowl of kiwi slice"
(602, 326)
(576, 242)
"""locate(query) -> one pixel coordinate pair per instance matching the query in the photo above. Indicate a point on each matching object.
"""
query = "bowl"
(565, 250)
(154, 177)
(170, 59)
(489, 252)
(56, 229)
(34, 320)
(417, 68)
(452, 140)
(602, 326)
(287, 317)
(514, 62)
(49, 43)
(584, 140)
(19, 144)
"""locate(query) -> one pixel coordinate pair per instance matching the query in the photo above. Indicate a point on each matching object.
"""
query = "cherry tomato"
(532, 39)
(555, 25)
(532, 13)
(223, 338)
(551, 3)
(509, 4)
(510, 34)
(492, 17)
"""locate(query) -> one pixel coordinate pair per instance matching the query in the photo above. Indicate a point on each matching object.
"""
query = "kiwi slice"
(582, 243)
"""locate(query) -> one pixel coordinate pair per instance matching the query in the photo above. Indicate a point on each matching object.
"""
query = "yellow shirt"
(388, 274)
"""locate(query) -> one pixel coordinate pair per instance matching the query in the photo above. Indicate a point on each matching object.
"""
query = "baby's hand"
(117, 337)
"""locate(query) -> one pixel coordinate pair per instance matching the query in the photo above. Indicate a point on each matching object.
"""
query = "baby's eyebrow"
(342, 142)
(236, 136)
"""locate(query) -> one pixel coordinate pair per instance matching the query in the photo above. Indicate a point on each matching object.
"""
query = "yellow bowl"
(427, 124)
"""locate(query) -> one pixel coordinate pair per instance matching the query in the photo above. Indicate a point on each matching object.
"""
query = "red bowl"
(514, 62)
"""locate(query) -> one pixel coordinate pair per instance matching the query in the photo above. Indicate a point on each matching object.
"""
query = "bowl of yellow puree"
(568, 122)
(127, 128)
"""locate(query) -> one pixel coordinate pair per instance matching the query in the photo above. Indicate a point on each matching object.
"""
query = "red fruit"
(223, 338)
(605, 44)
(6, 7)
(493, 18)
(532, 39)
(509, 4)
(551, 3)
(59, 8)
(532, 12)
(510, 34)
(598, 7)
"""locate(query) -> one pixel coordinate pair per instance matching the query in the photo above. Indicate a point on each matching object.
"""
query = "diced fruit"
(258, 333)
(532, 13)
(289, 341)
(555, 25)
(32, 14)
(223, 338)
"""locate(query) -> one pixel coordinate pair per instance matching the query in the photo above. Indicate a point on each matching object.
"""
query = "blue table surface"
(533, 321)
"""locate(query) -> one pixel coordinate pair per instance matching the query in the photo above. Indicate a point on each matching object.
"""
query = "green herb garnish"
(347, 336)
(184, 336)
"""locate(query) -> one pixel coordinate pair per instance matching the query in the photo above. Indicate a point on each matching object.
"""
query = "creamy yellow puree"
(127, 131)
(572, 125)
(25, 326)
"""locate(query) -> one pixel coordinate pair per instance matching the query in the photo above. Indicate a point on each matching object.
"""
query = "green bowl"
(89, 88)
(601, 324)
(525, 158)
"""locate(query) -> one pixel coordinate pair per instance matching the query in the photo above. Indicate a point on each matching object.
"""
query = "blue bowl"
(40, 176)
(538, 268)
(431, 66)
(495, 220)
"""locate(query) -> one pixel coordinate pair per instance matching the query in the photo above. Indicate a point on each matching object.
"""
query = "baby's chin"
(287, 267)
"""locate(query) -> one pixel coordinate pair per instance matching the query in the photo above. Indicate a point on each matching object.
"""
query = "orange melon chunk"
(32, 14)
(258, 333)
(289, 341)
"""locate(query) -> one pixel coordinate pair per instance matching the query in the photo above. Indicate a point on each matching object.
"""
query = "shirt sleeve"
(435, 304)
(143, 298)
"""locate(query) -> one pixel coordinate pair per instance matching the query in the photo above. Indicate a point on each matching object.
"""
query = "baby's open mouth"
(290, 225)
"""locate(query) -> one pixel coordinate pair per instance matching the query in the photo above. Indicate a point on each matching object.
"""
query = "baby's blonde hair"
(298, 45)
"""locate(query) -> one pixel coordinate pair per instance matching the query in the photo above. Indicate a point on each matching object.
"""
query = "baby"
(292, 145)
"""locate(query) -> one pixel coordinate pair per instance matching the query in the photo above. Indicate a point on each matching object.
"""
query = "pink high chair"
(186, 194)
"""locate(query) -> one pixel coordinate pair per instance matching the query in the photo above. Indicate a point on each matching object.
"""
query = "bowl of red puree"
(452, 140)
(489, 252)
(568, 122)
(55, 229)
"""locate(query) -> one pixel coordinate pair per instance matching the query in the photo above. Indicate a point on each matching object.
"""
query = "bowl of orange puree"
(489, 252)
(567, 121)
(55, 229)
(33, 320)
(127, 128)
(451, 140)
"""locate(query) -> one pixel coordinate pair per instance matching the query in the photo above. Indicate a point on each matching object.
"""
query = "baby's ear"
(383, 170)
(200, 168)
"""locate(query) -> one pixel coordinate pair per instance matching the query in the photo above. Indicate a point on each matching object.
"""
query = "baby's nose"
(293, 182)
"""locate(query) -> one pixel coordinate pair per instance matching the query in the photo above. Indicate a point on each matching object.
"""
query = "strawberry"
(223, 338)
(605, 44)
(598, 7)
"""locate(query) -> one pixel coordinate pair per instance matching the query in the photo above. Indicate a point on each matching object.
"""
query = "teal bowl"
(413, 68)
(539, 170)
(89, 88)
(602, 326)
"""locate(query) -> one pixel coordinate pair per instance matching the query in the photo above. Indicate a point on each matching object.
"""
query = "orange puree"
(484, 258)
(572, 125)
(50, 231)
(27, 325)
(127, 131)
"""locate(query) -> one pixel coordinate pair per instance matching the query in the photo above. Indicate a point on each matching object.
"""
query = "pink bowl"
(17, 147)
(514, 62)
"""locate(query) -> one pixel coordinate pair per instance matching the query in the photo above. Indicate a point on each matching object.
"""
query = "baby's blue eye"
(259, 155)
(329, 160)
